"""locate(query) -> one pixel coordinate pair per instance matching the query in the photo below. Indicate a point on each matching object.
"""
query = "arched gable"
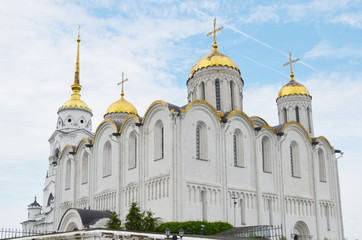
(300, 128)
(128, 121)
(65, 149)
(258, 121)
(241, 113)
(325, 141)
(208, 106)
(107, 123)
(151, 107)
(81, 143)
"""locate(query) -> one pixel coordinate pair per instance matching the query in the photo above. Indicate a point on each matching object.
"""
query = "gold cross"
(214, 45)
(290, 63)
(122, 82)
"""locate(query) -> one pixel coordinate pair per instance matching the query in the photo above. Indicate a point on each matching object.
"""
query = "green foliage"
(251, 235)
(134, 218)
(139, 221)
(283, 238)
(210, 228)
(114, 222)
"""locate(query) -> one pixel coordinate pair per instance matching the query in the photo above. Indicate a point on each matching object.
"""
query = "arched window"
(322, 166)
(85, 168)
(68, 172)
(295, 160)
(232, 95)
(50, 199)
(202, 90)
(266, 154)
(297, 114)
(217, 89)
(158, 140)
(285, 118)
(107, 159)
(238, 149)
(201, 141)
(309, 120)
(132, 151)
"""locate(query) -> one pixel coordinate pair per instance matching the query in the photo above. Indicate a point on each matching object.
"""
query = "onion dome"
(34, 204)
(215, 58)
(293, 88)
(122, 106)
(75, 101)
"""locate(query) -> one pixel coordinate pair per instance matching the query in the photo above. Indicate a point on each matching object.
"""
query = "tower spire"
(214, 44)
(76, 87)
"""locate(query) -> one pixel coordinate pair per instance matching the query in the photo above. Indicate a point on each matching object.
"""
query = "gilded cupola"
(292, 87)
(214, 58)
(122, 106)
(75, 101)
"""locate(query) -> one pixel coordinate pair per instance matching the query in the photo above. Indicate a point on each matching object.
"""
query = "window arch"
(297, 114)
(50, 199)
(238, 148)
(68, 172)
(85, 167)
(158, 140)
(217, 90)
(322, 166)
(201, 141)
(285, 118)
(232, 95)
(266, 154)
(202, 90)
(107, 159)
(295, 160)
(132, 151)
(309, 119)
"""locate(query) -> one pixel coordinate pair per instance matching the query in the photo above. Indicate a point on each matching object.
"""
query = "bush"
(210, 228)
(140, 221)
(114, 222)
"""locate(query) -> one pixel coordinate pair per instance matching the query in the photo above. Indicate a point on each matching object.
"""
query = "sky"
(155, 43)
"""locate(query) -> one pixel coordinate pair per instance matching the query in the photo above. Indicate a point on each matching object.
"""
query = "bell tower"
(294, 102)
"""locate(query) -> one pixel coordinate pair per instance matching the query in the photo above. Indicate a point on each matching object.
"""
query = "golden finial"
(291, 67)
(76, 87)
(214, 44)
(122, 82)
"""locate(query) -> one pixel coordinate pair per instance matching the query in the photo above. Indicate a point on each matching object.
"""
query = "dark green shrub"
(114, 222)
(210, 228)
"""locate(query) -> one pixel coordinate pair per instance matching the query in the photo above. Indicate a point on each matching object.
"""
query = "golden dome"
(121, 106)
(293, 88)
(75, 102)
(215, 58)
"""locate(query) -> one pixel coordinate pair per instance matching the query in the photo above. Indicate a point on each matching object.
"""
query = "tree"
(114, 222)
(140, 221)
(134, 218)
(149, 221)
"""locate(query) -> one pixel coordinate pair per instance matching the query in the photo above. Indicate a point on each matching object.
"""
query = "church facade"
(206, 160)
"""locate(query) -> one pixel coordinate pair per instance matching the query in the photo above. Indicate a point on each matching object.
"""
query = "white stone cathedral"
(206, 160)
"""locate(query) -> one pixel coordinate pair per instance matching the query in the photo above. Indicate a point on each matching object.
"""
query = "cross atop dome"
(214, 44)
(290, 63)
(122, 82)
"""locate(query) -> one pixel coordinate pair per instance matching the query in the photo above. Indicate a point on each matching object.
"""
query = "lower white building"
(206, 160)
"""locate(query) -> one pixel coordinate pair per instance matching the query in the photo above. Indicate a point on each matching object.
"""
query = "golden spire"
(122, 82)
(214, 44)
(76, 87)
(291, 67)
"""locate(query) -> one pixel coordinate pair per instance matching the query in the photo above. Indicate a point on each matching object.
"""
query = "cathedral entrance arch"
(301, 231)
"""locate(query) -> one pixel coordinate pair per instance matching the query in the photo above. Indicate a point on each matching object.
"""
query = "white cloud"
(325, 49)
(351, 19)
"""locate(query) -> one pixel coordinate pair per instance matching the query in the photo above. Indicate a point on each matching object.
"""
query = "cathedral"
(206, 160)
